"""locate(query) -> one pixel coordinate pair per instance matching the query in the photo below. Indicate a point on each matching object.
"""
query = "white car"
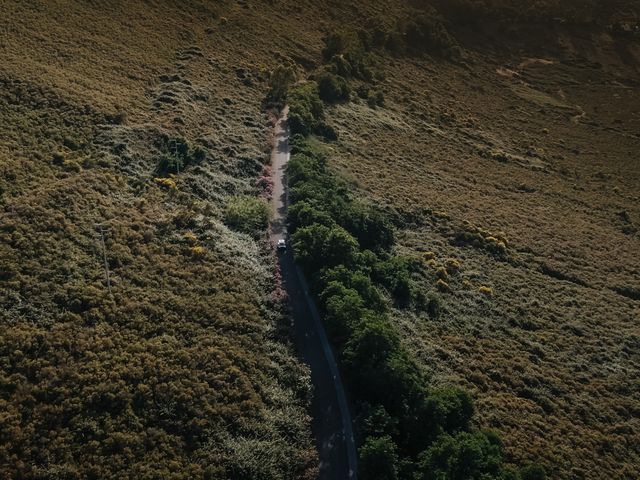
(281, 246)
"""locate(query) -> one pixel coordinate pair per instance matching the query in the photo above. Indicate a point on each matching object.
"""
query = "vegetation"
(280, 81)
(179, 371)
(408, 429)
(519, 324)
(247, 214)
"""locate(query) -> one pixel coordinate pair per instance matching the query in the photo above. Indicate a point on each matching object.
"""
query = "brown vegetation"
(143, 120)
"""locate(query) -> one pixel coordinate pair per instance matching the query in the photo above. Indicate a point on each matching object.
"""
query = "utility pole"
(176, 159)
(104, 257)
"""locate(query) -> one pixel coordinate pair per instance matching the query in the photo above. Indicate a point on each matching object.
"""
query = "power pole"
(176, 159)
(104, 257)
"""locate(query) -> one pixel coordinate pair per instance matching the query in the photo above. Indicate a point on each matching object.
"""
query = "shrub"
(168, 183)
(426, 33)
(354, 279)
(434, 305)
(334, 43)
(453, 266)
(371, 227)
(303, 214)
(393, 273)
(533, 472)
(373, 342)
(197, 251)
(344, 308)
(488, 291)
(449, 410)
(443, 286)
(317, 245)
(279, 82)
(176, 154)
(379, 459)
(461, 457)
(247, 214)
(375, 421)
(306, 111)
(333, 88)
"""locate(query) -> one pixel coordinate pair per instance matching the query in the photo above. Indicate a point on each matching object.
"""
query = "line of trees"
(407, 429)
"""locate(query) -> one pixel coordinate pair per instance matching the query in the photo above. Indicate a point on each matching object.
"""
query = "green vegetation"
(176, 154)
(333, 88)
(407, 428)
(578, 12)
(280, 81)
(306, 110)
(247, 214)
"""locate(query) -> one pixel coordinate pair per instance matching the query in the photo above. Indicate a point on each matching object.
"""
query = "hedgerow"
(407, 429)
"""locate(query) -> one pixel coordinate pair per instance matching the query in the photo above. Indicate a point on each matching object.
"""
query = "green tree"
(279, 82)
(333, 88)
(462, 457)
(533, 472)
(318, 245)
(450, 409)
(378, 459)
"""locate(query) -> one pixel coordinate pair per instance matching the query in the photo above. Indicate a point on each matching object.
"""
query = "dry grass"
(537, 326)
(94, 94)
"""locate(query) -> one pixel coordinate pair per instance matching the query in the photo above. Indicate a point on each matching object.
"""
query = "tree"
(319, 245)
(461, 457)
(333, 88)
(344, 308)
(533, 472)
(279, 82)
(449, 409)
(378, 459)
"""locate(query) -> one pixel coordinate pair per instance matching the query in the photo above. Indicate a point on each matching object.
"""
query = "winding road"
(332, 426)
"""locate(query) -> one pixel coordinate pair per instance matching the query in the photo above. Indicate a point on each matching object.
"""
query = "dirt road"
(331, 417)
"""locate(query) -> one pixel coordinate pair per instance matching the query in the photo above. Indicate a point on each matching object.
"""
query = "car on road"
(281, 246)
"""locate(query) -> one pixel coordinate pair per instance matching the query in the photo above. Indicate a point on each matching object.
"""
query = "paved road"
(331, 417)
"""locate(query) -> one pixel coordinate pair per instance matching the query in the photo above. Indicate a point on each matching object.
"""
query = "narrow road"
(331, 417)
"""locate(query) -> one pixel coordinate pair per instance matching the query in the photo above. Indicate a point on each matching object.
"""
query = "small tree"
(533, 472)
(379, 459)
(247, 214)
(279, 82)
(333, 88)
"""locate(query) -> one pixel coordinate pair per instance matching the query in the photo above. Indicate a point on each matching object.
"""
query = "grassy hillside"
(141, 120)
(512, 175)
(144, 122)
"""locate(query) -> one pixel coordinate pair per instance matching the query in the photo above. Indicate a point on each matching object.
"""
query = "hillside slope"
(514, 176)
(143, 124)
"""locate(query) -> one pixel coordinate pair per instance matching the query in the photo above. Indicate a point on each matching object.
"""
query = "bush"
(334, 43)
(303, 214)
(434, 304)
(373, 342)
(393, 273)
(344, 308)
(306, 111)
(461, 457)
(449, 410)
(279, 82)
(533, 472)
(333, 88)
(248, 215)
(371, 227)
(317, 245)
(176, 154)
(355, 279)
(427, 34)
(379, 459)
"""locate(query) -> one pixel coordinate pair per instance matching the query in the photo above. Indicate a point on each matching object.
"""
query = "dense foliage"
(407, 428)
(247, 214)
